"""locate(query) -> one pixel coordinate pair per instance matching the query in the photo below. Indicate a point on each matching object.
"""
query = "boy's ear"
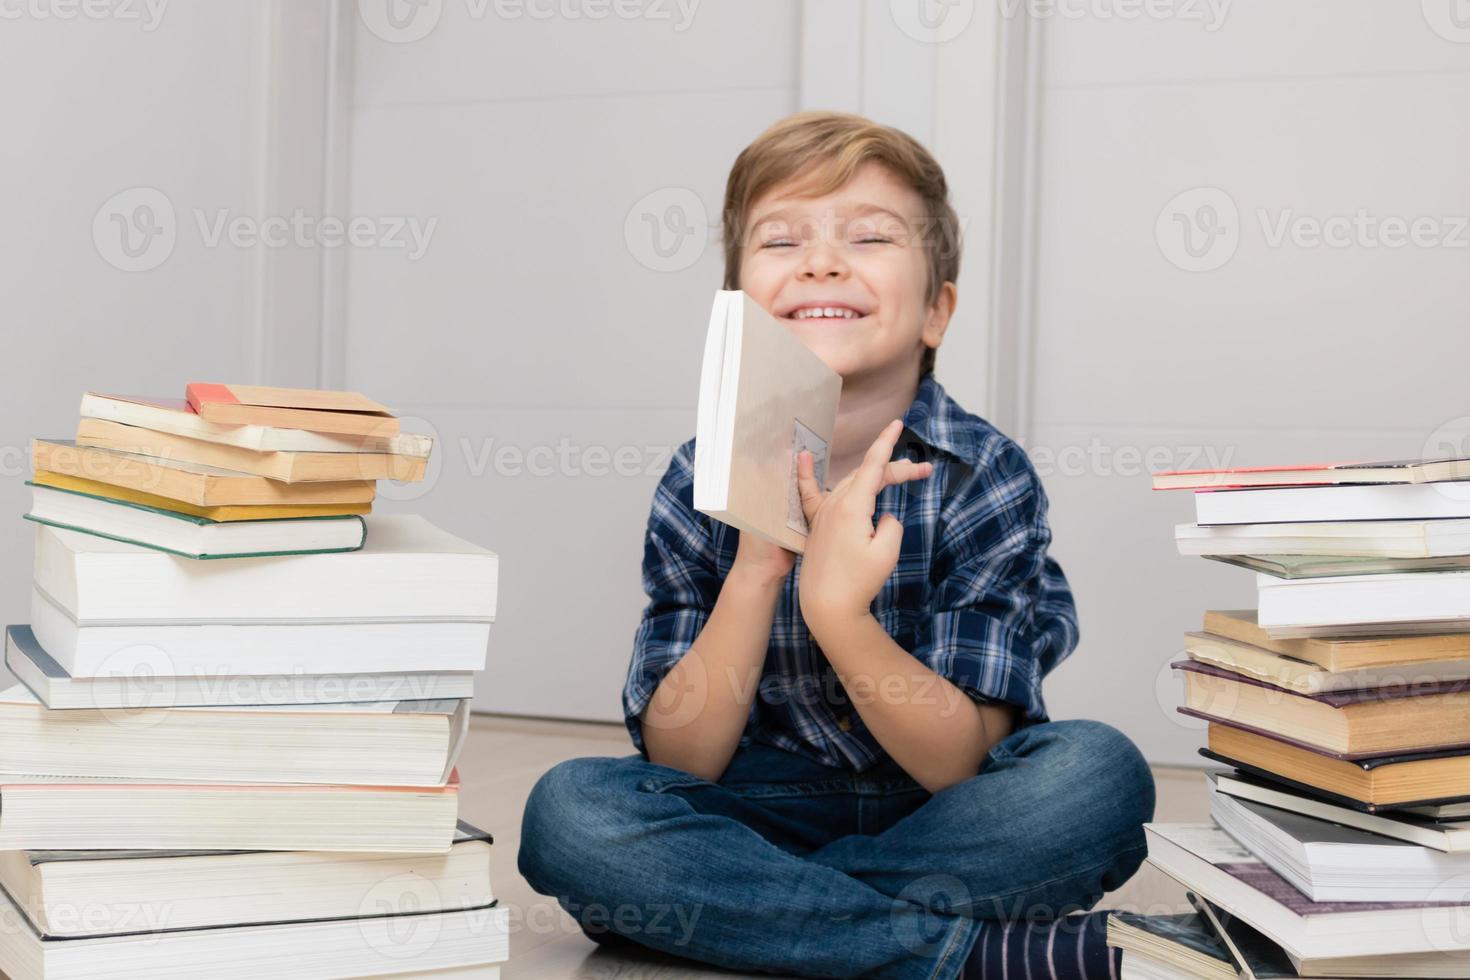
(940, 313)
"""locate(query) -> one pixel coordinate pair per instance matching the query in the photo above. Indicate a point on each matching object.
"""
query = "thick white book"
(385, 743)
(408, 569)
(1363, 539)
(1301, 505)
(174, 415)
(43, 812)
(143, 890)
(217, 649)
(1364, 605)
(1323, 939)
(145, 680)
(763, 398)
(1328, 862)
(369, 945)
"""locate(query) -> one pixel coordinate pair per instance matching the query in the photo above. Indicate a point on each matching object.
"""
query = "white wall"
(1314, 108)
(95, 108)
(541, 319)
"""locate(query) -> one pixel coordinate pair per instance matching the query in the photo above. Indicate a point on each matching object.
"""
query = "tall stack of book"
(1340, 842)
(232, 751)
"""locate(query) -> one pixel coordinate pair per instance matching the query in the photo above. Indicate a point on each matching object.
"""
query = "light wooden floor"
(505, 756)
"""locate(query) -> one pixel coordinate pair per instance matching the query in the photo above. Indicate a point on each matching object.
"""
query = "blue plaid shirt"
(974, 596)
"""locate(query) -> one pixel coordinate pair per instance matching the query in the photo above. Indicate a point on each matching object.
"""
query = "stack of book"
(1340, 842)
(232, 751)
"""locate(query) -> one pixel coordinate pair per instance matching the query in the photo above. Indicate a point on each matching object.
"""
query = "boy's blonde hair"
(823, 150)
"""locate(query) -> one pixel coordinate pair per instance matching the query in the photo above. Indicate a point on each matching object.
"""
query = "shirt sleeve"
(1002, 614)
(682, 581)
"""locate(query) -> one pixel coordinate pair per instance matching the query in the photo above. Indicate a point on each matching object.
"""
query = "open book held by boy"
(845, 766)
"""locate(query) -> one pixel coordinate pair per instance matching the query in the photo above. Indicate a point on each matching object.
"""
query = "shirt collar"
(937, 421)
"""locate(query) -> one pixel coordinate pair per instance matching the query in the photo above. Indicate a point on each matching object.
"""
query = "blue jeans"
(790, 866)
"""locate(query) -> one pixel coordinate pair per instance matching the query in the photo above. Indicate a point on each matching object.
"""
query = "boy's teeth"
(826, 311)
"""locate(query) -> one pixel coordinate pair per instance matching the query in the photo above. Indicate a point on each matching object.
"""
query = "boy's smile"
(847, 272)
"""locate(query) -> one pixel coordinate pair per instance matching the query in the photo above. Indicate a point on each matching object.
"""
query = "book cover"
(346, 412)
(763, 398)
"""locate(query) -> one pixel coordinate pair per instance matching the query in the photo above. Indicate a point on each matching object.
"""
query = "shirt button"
(845, 723)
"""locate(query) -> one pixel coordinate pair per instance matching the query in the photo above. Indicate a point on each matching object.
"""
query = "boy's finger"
(888, 539)
(875, 463)
(806, 485)
(903, 470)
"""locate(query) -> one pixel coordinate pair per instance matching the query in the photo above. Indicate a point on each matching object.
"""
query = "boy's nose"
(822, 262)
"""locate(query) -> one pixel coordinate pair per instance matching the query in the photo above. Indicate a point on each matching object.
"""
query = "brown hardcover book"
(191, 483)
(291, 408)
(1386, 781)
(1339, 654)
(287, 467)
(1368, 721)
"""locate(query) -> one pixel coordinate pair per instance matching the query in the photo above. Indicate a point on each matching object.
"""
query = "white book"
(1328, 862)
(386, 743)
(763, 397)
(173, 415)
(407, 570)
(1354, 605)
(311, 950)
(97, 892)
(188, 536)
(1322, 939)
(1363, 539)
(1302, 505)
(146, 681)
(253, 648)
(45, 812)
(1449, 835)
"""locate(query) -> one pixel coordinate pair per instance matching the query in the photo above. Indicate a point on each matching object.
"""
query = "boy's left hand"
(846, 560)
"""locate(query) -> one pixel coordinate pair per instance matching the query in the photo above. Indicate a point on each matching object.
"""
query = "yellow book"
(223, 512)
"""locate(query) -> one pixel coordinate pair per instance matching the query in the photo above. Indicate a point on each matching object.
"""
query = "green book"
(190, 536)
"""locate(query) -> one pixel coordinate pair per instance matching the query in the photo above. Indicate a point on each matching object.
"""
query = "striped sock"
(1071, 948)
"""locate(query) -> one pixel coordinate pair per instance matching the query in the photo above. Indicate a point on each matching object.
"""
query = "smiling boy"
(845, 765)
